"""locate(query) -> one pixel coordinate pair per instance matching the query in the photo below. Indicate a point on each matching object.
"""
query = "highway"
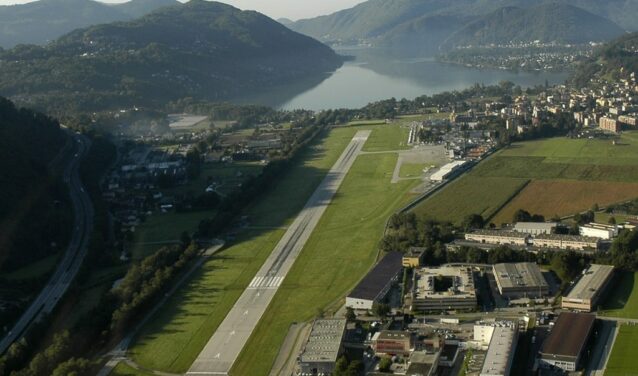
(71, 262)
(220, 353)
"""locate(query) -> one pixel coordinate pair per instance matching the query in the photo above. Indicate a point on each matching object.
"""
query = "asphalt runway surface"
(220, 353)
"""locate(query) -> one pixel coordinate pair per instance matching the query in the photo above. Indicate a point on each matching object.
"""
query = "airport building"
(448, 171)
(566, 343)
(597, 230)
(520, 280)
(498, 237)
(568, 242)
(502, 338)
(586, 293)
(323, 348)
(535, 228)
(374, 287)
(442, 289)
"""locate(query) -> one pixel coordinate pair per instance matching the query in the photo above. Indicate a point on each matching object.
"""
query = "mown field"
(567, 176)
(339, 252)
(623, 360)
(470, 195)
(174, 338)
(622, 299)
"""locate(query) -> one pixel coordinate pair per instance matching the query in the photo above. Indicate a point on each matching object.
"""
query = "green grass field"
(412, 170)
(163, 227)
(623, 360)
(123, 369)
(37, 269)
(470, 195)
(623, 297)
(174, 338)
(388, 137)
(339, 252)
(557, 161)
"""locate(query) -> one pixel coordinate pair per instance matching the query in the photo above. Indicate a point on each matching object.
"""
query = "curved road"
(72, 260)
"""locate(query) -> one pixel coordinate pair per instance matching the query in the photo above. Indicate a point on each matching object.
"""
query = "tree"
(612, 220)
(521, 216)
(473, 221)
(350, 315)
(73, 367)
(380, 309)
(385, 364)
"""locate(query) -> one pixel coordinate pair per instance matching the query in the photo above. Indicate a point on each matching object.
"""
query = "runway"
(221, 351)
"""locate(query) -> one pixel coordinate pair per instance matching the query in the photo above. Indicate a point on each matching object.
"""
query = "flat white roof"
(590, 282)
(502, 345)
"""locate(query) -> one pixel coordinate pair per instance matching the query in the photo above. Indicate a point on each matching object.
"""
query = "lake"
(371, 77)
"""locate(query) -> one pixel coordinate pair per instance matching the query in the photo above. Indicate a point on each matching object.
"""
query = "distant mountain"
(546, 23)
(425, 24)
(201, 49)
(285, 21)
(42, 21)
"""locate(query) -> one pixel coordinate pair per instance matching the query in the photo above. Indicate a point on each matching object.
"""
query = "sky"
(293, 9)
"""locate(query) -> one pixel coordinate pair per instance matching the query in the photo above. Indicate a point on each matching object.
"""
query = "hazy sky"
(293, 9)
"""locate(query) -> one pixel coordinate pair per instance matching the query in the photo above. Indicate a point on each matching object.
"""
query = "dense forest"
(34, 215)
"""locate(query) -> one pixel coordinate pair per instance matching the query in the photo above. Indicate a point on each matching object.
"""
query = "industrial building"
(502, 338)
(498, 237)
(323, 348)
(423, 363)
(564, 346)
(374, 287)
(413, 258)
(568, 242)
(586, 293)
(520, 280)
(393, 342)
(535, 228)
(441, 289)
(597, 230)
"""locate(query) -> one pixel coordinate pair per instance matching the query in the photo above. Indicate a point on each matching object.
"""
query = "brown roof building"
(565, 345)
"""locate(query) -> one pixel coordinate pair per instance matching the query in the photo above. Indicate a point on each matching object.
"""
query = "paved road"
(224, 347)
(70, 264)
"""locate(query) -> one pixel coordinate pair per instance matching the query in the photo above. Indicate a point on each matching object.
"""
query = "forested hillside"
(202, 49)
(616, 59)
(34, 213)
(42, 21)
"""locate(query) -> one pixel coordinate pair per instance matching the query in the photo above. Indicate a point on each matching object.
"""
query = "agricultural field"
(470, 195)
(346, 240)
(623, 361)
(174, 338)
(571, 175)
(623, 298)
(564, 197)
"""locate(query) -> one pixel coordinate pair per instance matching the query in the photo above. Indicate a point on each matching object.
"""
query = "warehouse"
(586, 293)
(374, 287)
(520, 280)
(501, 350)
(498, 237)
(568, 242)
(323, 348)
(448, 171)
(597, 230)
(441, 289)
(535, 228)
(564, 346)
